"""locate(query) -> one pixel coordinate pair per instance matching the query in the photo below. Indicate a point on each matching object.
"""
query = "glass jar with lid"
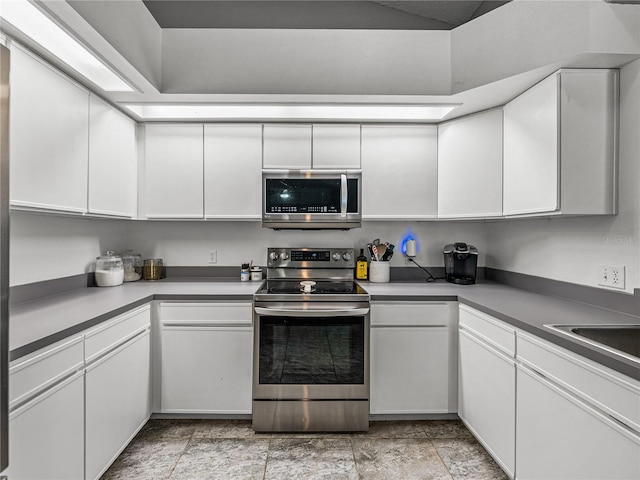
(132, 263)
(109, 270)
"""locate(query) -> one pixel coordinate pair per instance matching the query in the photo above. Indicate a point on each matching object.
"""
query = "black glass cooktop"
(320, 287)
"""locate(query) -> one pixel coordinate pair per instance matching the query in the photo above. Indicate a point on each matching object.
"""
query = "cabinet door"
(486, 397)
(49, 141)
(173, 171)
(287, 147)
(399, 172)
(47, 435)
(560, 437)
(206, 369)
(113, 163)
(117, 402)
(336, 146)
(531, 162)
(232, 171)
(470, 166)
(409, 370)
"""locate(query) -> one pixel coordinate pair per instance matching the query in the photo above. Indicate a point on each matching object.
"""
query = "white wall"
(44, 247)
(189, 243)
(570, 249)
(257, 61)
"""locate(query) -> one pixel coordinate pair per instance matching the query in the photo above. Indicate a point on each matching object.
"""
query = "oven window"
(311, 351)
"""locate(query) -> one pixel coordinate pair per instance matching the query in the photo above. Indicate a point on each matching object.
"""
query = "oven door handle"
(294, 312)
(344, 195)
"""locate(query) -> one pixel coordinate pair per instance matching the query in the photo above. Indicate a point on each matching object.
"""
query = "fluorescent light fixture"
(326, 112)
(27, 18)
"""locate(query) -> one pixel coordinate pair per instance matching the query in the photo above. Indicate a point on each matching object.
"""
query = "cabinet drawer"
(105, 337)
(412, 314)
(44, 368)
(209, 313)
(612, 392)
(494, 332)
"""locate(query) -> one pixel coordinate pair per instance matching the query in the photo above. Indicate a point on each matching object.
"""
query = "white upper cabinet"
(287, 147)
(232, 171)
(336, 146)
(560, 145)
(49, 141)
(173, 171)
(113, 164)
(399, 172)
(470, 166)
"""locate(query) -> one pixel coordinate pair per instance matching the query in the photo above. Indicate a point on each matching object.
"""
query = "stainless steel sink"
(622, 339)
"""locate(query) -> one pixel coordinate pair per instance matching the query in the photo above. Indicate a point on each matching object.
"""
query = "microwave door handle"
(344, 193)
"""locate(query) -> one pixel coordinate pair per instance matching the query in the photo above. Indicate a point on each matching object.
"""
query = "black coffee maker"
(460, 263)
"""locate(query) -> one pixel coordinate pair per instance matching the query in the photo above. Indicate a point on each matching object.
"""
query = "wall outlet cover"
(611, 276)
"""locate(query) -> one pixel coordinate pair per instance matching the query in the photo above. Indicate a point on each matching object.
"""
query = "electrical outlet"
(213, 256)
(611, 276)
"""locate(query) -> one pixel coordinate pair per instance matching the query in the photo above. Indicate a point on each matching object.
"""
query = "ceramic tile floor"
(229, 449)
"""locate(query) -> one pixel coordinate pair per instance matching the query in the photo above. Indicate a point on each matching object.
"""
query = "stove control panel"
(310, 258)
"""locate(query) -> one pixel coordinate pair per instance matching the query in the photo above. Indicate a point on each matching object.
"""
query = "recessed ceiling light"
(341, 112)
(26, 17)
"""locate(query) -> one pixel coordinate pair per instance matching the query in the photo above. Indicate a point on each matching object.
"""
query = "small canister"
(244, 272)
(132, 266)
(109, 270)
(256, 273)
(153, 269)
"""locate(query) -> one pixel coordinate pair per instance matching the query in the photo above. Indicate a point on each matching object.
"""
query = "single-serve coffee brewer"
(460, 263)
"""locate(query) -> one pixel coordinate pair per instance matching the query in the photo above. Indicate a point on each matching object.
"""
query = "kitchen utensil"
(389, 253)
(374, 248)
(382, 249)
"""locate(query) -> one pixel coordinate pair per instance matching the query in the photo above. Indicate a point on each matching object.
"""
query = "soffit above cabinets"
(491, 57)
(318, 14)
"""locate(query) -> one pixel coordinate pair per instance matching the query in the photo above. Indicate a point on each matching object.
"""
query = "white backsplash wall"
(44, 247)
(570, 249)
(189, 243)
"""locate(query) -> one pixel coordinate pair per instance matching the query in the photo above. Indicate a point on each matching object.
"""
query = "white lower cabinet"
(413, 358)
(117, 392)
(47, 435)
(46, 419)
(575, 420)
(206, 358)
(487, 384)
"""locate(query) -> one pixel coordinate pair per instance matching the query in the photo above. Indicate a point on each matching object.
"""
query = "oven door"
(311, 351)
(311, 199)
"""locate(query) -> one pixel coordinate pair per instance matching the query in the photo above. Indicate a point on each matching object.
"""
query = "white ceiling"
(389, 15)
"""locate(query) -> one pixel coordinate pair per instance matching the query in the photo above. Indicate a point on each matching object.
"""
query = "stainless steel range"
(311, 343)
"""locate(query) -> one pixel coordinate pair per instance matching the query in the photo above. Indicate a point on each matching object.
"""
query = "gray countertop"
(36, 324)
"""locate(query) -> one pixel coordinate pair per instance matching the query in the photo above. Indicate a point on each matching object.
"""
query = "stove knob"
(336, 256)
(346, 256)
(274, 256)
(284, 256)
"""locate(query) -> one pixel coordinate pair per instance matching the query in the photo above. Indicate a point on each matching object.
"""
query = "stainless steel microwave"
(311, 199)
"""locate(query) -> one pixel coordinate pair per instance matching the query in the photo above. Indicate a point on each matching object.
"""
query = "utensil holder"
(379, 272)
